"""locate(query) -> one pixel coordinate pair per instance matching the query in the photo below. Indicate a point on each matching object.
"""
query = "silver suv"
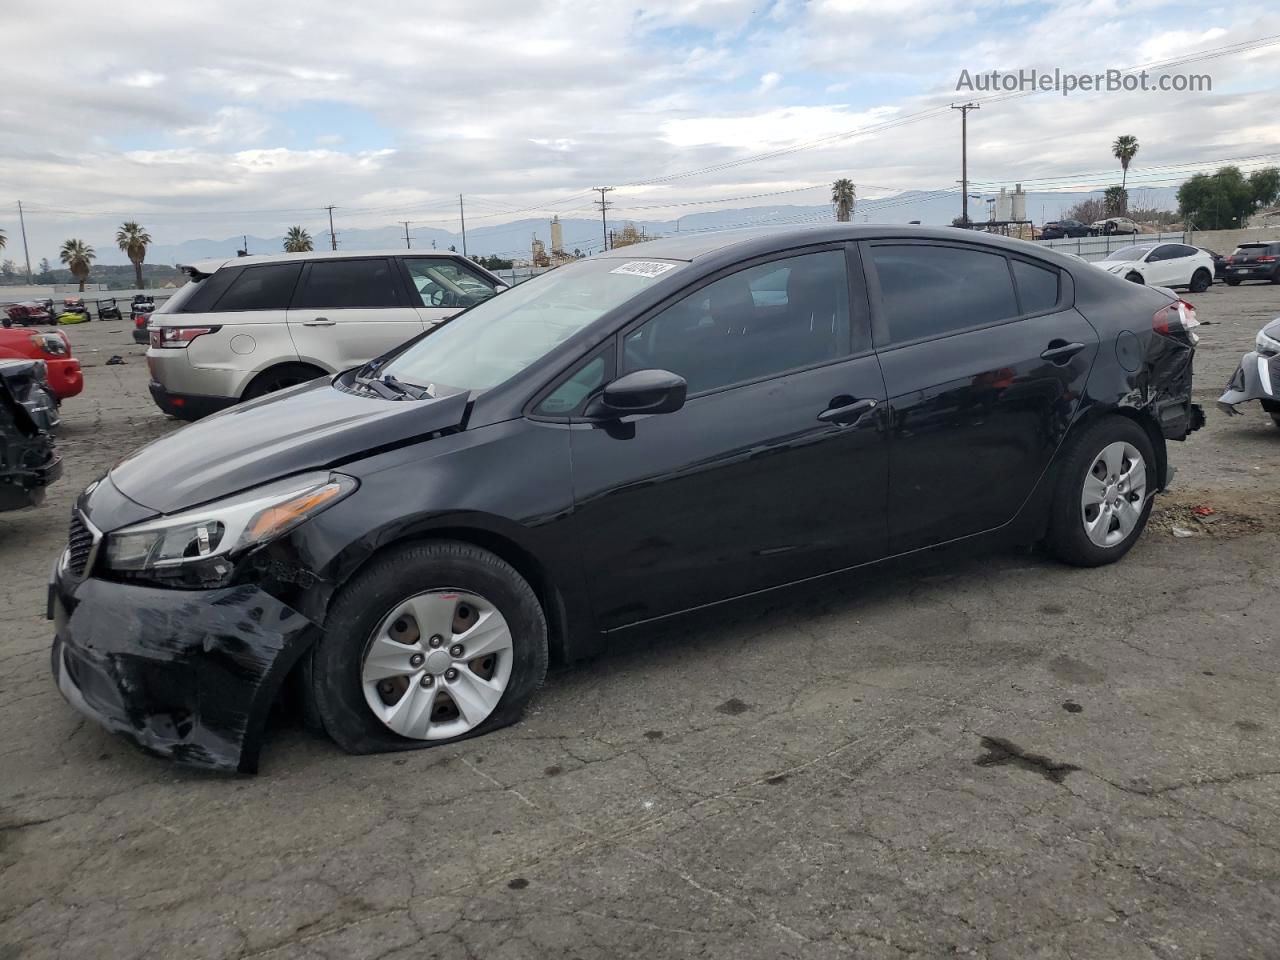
(245, 327)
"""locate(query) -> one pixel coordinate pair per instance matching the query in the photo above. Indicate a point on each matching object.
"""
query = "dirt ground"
(986, 756)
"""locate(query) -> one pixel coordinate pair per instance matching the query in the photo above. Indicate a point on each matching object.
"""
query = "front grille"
(79, 545)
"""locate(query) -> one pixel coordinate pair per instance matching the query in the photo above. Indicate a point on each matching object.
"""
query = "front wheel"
(1105, 492)
(430, 644)
(1200, 281)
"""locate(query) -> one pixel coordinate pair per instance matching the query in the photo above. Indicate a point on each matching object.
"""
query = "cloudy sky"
(213, 119)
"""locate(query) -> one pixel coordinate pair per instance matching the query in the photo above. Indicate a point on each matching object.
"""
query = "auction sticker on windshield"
(644, 268)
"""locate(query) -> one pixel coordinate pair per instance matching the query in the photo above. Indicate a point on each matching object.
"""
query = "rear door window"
(267, 287)
(1037, 286)
(349, 284)
(931, 291)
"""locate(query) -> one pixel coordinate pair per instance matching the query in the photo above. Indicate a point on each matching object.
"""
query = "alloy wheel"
(1114, 494)
(437, 665)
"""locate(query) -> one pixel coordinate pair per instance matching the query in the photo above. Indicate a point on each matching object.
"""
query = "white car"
(1161, 265)
(1113, 225)
(248, 326)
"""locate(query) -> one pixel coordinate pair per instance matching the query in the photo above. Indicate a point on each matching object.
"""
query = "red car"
(53, 347)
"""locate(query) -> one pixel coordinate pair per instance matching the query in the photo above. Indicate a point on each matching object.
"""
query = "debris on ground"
(1182, 532)
(115, 360)
(1189, 520)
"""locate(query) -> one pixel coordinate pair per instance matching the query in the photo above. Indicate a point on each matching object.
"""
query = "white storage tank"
(1004, 205)
(1019, 203)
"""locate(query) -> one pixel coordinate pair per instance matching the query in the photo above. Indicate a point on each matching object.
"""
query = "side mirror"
(498, 288)
(641, 392)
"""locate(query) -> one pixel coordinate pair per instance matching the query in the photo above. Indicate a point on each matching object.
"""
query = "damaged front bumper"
(1257, 378)
(188, 675)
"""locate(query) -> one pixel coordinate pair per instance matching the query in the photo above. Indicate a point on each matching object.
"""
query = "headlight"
(197, 545)
(1266, 344)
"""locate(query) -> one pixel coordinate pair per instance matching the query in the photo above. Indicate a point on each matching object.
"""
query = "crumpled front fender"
(1257, 378)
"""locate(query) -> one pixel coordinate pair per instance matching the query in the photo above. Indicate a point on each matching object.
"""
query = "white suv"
(250, 325)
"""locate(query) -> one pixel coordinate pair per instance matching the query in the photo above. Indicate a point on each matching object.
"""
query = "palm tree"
(77, 255)
(1124, 150)
(843, 197)
(297, 240)
(133, 240)
(3, 241)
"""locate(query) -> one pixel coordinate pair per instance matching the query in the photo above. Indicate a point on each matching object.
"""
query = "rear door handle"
(319, 322)
(849, 413)
(1059, 351)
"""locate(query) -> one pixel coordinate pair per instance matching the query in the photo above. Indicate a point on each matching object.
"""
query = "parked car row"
(1065, 228)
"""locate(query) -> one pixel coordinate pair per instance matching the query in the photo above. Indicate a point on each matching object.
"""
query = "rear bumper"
(1257, 378)
(1261, 271)
(186, 406)
(25, 486)
(65, 377)
(185, 674)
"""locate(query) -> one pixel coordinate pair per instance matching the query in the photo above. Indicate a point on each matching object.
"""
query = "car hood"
(308, 427)
(1272, 329)
(1111, 266)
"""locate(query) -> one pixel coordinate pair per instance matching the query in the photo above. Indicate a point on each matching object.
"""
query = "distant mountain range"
(513, 239)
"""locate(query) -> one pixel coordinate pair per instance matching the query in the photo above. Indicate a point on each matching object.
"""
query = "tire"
(1069, 538)
(278, 378)
(1275, 275)
(1232, 281)
(1200, 281)
(340, 693)
(1135, 277)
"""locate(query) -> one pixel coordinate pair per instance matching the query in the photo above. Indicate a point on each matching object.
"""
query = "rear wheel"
(1200, 281)
(430, 644)
(278, 378)
(1104, 495)
(1275, 275)
(1135, 277)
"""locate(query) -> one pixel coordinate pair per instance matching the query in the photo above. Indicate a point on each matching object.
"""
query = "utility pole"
(333, 237)
(604, 205)
(25, 252)
(964, 158)
(407, 244)
(462, 215)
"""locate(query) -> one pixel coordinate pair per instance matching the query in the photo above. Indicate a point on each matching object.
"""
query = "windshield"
(495, 340)
(1128, 253)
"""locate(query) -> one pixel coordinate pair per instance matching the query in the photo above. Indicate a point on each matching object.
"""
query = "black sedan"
(1059, 229)
(621, 440)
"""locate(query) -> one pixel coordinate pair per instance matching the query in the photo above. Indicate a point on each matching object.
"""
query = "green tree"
(45, 265)
(1224, 200)
(1124, 149)
(297, 240)
(134, 240)
(843, 197)
(1115, 201)
(78, 256)
(9, 270)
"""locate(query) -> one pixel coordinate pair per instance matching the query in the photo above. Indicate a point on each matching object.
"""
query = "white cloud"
(529, 100)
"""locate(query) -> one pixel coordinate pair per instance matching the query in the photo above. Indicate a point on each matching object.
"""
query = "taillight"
(54, 344)
(139, 319)
(1266, 259)
(178, 337)
(1178, 319)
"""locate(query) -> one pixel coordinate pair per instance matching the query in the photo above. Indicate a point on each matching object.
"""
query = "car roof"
(216, 263)
(752, 240)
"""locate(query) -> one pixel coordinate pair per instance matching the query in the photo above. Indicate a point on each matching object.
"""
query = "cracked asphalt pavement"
(978, 755)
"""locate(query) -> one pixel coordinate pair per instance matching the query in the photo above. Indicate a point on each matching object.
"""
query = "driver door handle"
(319, 322)
(849, 413)
(1059, 351)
